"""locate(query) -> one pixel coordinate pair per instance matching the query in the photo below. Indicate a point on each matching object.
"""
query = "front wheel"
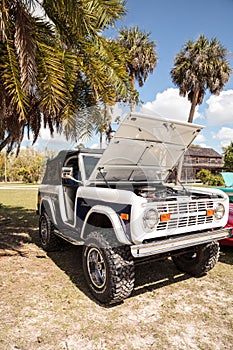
(109, 271)
(199, 261)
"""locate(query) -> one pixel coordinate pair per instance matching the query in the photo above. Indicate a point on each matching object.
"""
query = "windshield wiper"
(101, 173)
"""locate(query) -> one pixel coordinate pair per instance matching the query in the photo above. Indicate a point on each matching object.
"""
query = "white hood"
(145, 147)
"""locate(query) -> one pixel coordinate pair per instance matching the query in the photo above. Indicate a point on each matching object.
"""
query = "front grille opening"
(188, 214)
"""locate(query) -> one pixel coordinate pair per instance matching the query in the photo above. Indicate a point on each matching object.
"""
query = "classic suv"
(116, 205)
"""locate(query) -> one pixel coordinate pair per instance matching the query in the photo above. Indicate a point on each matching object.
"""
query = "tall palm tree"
(141, 57)
(200, 66)
(52, 70)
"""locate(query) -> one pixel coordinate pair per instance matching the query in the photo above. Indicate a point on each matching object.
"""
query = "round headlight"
(219, 211)
(150, 218)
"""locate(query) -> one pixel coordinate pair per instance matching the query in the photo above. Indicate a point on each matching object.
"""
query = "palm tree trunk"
(194, 103)
(190, 120)
(132, 100)
(101, 139)
(4, 142)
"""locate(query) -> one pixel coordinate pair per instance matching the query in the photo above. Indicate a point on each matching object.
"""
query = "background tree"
(51, 70)
(28, 167)
(2, 166)
(228, 157)
(141, 57)
(198, 67)
(209, 179)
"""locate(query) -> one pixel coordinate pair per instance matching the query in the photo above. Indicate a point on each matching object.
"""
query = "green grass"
(25, 198)
(45, 304)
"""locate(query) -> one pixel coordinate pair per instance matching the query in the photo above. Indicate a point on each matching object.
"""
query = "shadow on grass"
(148, 276)
(19, 226)
(155, 275)
(226, 254)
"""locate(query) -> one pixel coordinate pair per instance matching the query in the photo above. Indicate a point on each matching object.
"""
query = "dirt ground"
(45, 304)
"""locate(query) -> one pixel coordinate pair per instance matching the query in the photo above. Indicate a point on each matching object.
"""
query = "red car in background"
(228, 179)
(229, 241)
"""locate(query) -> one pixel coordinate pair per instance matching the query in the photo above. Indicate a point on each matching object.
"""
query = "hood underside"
(145, 147)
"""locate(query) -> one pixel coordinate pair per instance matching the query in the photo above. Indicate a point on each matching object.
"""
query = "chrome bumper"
(143, 250)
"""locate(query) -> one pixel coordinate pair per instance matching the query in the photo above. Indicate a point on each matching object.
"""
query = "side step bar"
(158, 247)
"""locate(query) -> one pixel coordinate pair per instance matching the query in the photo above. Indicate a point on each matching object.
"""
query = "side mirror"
(67, 172)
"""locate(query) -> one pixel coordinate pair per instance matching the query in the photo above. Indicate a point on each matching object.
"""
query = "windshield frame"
(82, 165)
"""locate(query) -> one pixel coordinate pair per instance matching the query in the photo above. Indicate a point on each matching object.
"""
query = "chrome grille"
(185, 214)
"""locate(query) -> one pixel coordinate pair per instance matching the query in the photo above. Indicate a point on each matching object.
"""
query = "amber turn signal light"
(165, 217)
(124, 216)
(210, 212)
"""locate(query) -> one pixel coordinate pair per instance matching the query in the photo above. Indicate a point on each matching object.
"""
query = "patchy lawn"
(45, 304)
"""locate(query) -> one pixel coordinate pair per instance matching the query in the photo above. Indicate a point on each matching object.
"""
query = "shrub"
(209, 179)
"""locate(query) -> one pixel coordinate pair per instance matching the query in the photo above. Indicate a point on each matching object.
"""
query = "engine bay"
(157, 192)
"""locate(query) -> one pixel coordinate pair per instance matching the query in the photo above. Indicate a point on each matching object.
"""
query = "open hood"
(145, 147)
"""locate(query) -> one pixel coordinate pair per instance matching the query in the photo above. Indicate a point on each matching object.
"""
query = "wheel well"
(42, 208)
(45, 208)
(97, 220)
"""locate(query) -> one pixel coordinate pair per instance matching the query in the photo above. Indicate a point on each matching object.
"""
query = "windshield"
(90, 162)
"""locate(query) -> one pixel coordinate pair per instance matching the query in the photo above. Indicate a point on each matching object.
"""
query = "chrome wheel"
(96, 267)
(43, 230)
(109, 271)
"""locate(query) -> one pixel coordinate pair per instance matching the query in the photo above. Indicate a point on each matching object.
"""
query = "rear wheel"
(49, 241)
(109, 271)
(199, 261)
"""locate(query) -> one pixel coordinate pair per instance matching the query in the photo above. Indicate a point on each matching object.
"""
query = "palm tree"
(141, 57)
(200, 66)
(53, 70)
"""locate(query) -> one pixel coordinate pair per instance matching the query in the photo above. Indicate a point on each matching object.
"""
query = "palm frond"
(25, 48)
(72, 19)
(106, 12)
(201, 63)
(105, 57)
(11, 81)
(75, 20)
(142, 56)
(51, 79)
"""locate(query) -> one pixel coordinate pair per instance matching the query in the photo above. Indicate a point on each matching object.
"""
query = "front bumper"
(171, 244)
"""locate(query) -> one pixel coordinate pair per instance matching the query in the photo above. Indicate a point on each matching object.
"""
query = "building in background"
(197, 158)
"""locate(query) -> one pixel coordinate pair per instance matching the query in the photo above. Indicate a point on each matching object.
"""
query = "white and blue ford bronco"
(115, 203)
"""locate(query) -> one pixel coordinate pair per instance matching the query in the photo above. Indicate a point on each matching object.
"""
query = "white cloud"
(200, 138)
(97, 145)
(170, 104)
(220, 108)
(225, 135)
(45, 140)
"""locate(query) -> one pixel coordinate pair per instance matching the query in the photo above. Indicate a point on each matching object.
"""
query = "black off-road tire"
(48, 240)
(199, 261)
(108, 269)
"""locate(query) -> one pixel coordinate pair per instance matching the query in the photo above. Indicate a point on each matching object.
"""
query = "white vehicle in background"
(116, 204)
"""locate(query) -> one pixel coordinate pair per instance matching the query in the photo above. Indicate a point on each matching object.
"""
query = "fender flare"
(116, 222)
(49, 208)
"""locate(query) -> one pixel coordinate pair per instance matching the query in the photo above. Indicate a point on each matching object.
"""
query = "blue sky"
(171, 24)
